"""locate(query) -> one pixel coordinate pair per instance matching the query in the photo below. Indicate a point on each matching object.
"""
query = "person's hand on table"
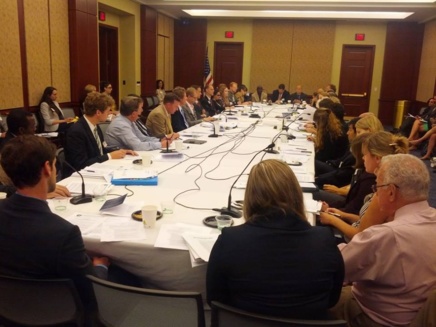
(118, 154)
(60, 191)
(131, 152)
(165, 142)
(208, 119)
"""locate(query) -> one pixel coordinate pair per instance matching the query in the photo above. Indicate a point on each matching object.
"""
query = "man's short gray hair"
(407, 172)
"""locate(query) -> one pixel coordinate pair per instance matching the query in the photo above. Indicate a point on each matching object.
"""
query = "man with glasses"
(392, 266)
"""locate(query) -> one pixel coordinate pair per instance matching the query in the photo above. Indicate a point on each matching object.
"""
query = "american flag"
(208, 78)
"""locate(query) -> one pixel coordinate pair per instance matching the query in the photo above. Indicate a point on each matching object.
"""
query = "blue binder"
(135, 181)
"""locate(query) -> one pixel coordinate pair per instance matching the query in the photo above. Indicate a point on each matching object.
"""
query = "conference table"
(197, 183)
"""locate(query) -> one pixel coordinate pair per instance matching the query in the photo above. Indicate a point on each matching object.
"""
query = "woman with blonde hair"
(374, 148)
(369, 123)
(330, 140)
(275, 263)
(224, 91)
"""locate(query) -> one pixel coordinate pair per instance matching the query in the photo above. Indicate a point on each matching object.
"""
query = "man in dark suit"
(206, 100)
(298, 96)
(178, 119)
(85, 144)
(48, 246)
(280, 95)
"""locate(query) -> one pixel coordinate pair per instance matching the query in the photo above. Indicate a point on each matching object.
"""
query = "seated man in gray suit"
(123, 131)
(189, 108)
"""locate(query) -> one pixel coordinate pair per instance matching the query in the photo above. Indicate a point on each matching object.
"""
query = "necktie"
(280, 96)
(183, 115)
(97, 139)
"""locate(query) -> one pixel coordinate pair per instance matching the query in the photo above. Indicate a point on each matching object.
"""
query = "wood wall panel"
(60, 50)
(83, 46)
(148, 50)
(189, 51)
(38, 48)
(401, 67)
(427, 73)
(11, 86)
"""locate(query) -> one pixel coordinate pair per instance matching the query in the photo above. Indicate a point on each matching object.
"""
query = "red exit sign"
(229, 34)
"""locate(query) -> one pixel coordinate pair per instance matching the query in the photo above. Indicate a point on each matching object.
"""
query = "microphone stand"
(229, 210)
(214, 132)
(82, 198)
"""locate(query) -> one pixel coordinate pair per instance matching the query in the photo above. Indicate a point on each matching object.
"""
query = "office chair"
(39, 302)
(227, 316)
(126, 306)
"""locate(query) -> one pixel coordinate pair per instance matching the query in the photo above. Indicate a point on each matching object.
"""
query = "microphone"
(82, 198)
(229, 210)
(167, 150)
(214, 132)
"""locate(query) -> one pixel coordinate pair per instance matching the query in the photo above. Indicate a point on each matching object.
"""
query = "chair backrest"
(103, 126)
(150, 104)
(39, 302)
(120, 306)
(68, 112)
(3, 124)
(60, 164)
(156, 100)
(227, 316)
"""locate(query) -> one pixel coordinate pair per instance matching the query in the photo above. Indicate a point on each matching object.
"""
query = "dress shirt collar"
(91, 125)
(413, 211)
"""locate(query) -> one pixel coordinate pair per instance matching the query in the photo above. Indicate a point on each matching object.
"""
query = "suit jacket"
(177, 121)
(47, 247)
(159, 122)
(276, 265)
(81, 148)
(208, 105)
(191, 117)
(360, 187)
(275, 96)
(295, 96)
(255, 97)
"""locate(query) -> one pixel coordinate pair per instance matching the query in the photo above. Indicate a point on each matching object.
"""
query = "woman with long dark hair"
(51, 113)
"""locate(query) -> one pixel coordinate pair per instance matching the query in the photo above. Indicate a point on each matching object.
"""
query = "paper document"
(312, 206)
(201, 244)
(170, 236)
(122, 229)
(87, 223)
(76, 187)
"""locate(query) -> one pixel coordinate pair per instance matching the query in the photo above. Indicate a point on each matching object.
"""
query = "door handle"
(354, 95)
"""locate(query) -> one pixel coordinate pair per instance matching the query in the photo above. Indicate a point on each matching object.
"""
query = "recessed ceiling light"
(299, 14)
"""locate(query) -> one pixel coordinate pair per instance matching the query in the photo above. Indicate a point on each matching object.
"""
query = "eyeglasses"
(374, 187)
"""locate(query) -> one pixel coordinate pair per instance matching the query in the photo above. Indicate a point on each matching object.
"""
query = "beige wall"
(125, 15)
(243, 33)
(11, 86)
(427, 72)
(48, 57)
(375, 34)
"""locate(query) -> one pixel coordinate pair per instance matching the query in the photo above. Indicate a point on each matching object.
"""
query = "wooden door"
(228, 61)
(355, 79)
(108, 55)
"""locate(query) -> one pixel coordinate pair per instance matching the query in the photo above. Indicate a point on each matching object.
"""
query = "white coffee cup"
(149, 213)
(179, 145)
(146, 159)
(3, 195)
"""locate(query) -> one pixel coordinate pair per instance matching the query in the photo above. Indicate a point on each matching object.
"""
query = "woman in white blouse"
(51, 113)
(160, 90)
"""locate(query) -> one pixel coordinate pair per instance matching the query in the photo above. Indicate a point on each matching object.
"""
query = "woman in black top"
(275, 263)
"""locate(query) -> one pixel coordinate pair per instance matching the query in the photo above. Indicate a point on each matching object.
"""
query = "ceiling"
(420, 11)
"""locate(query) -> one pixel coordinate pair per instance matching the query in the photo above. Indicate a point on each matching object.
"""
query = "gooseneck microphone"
(229, 210)
(214, 132)
(82, 198)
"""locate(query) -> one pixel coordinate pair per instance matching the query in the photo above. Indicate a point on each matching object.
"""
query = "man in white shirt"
(123, 131)
(392, 266)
